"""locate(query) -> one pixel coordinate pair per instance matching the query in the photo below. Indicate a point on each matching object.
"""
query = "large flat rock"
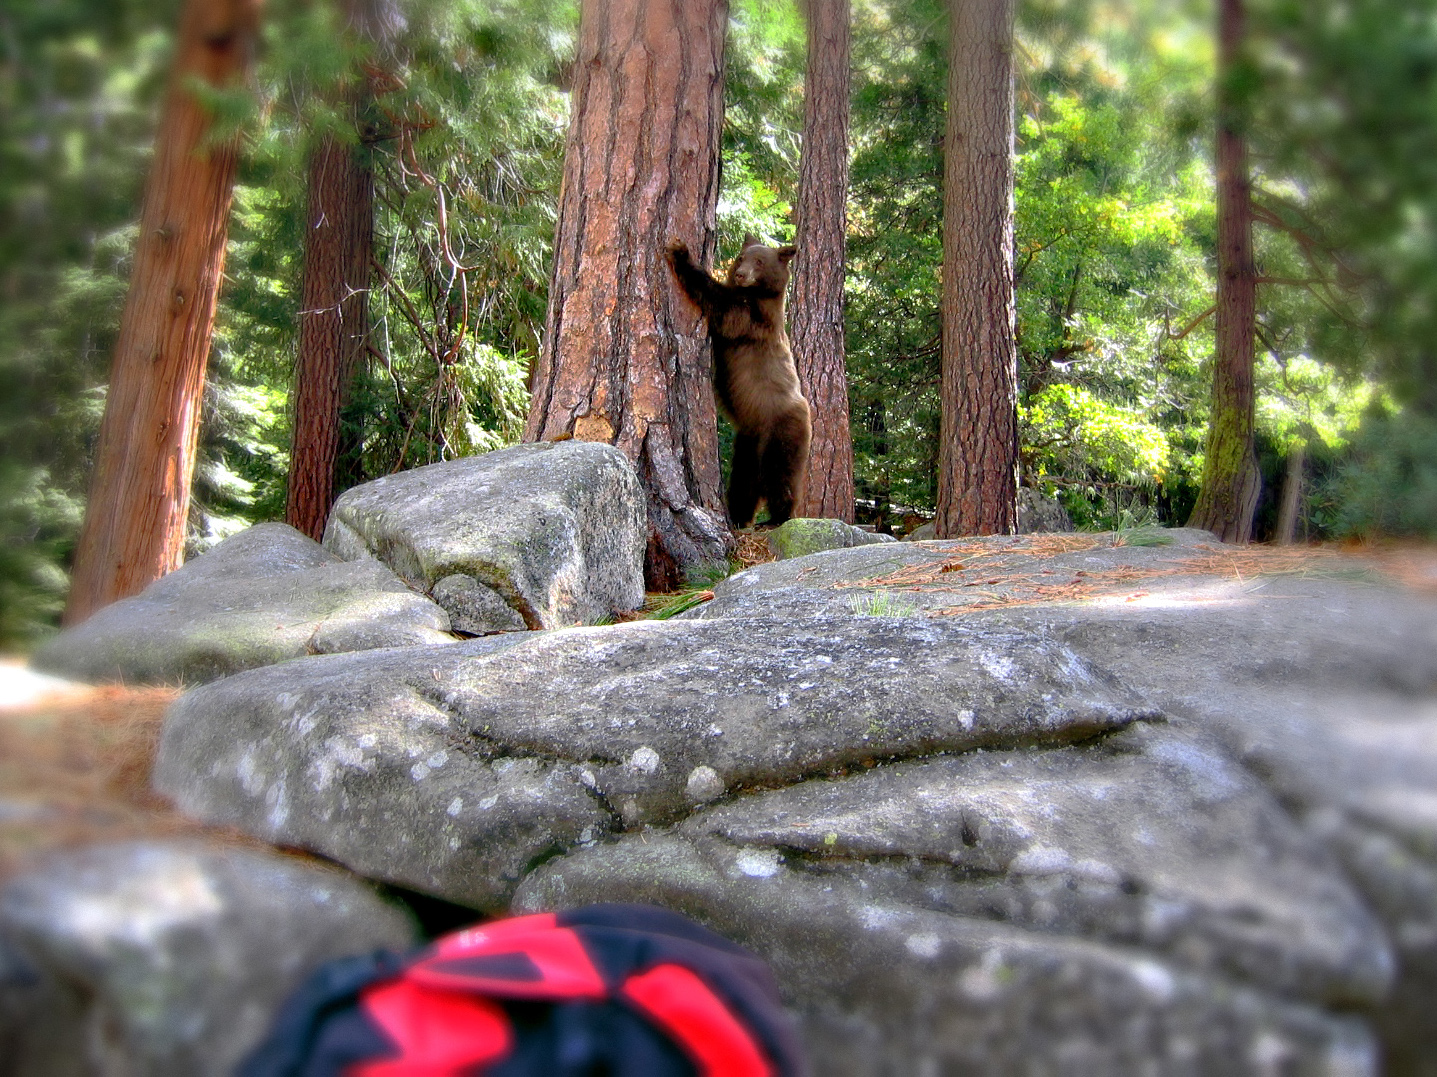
(1058, 804)
(452, 769)
(1152, 839)
(537, 536)
(1318, 676)
(888, 989)
(168, 958)
(263, 596)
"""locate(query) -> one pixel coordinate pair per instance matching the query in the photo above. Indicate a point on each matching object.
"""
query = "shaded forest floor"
(75, 760)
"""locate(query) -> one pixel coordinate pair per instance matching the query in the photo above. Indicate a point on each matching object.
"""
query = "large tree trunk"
(816, 322)
(978, 451)
(334, 305)
(626, 357)
(333, 323)
(134, 528)
(1231, 481)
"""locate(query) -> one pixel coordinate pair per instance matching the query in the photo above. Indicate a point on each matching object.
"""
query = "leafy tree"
(1345, 126)
(1113, 232)
(466, 136)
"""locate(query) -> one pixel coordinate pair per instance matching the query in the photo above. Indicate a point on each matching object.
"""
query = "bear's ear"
(785, 254)
(749, 240)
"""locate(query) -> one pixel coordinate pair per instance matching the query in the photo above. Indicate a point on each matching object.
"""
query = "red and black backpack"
(603, 991)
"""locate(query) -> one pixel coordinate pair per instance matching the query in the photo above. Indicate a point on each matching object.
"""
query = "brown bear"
(755, 382)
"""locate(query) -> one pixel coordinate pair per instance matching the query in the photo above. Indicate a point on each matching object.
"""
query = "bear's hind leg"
(784, 465)
(743, 482)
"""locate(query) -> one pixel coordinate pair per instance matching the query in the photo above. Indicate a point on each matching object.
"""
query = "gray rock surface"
(263, 596)
(1322, 683)
(1037, 513)
(892, 987)
(554, 531)
(950, 576)
(802, 535)
(454, 769)
(476, 607)
(1152, 838)
(922, 533)
(1060, 804)
(167, 958)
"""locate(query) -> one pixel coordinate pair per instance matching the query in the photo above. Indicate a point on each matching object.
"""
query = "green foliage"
(1113, 238)
(36, 520)
(463, 125)
(1346, 116)
(79, 83)
(1388, 485)
(465, 138)
(1096, 453)
(895, 248)
(763, 122)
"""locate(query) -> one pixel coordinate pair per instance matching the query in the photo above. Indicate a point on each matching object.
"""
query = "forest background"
(1115, 247)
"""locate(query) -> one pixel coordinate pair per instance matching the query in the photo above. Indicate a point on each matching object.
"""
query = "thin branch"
(410, 313)
(1295, 282)
(1204, 316)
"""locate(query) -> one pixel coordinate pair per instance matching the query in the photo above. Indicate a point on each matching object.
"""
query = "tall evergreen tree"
(978, 449)
(822, 219)
(625, 358)
(134, 526)
(1231, 480)
(334, 308)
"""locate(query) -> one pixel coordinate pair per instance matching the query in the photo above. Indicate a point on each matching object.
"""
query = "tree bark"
(626, 357)
(1231, 481)
(816, 321)
(334, 304)
(1289, 510)
(134, 527)
(978, 449)
(333, 323)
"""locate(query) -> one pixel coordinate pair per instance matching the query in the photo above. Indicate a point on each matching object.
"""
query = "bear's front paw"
(678, 250)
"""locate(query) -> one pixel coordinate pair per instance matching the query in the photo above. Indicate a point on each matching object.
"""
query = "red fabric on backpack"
(439, 1033)
(475, 959)
(694, 1017)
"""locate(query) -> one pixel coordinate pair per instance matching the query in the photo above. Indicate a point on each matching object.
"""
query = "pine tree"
(978, 462)
(817, 309)
(134, 526)
(1231, 481)
(625, 357)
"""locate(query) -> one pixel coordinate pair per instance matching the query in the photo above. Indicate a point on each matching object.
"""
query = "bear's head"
(760, 267)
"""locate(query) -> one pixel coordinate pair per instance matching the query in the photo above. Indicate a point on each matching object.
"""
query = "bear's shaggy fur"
(755, 381)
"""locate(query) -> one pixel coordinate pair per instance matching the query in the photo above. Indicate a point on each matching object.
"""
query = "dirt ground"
(75, 760)
(75, 767)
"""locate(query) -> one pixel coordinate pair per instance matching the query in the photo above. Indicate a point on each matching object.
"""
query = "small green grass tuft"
(882, 604)
(666, 606)
(1143, 536)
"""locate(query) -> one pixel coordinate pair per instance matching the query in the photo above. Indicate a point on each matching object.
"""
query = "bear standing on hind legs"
(755, 381)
